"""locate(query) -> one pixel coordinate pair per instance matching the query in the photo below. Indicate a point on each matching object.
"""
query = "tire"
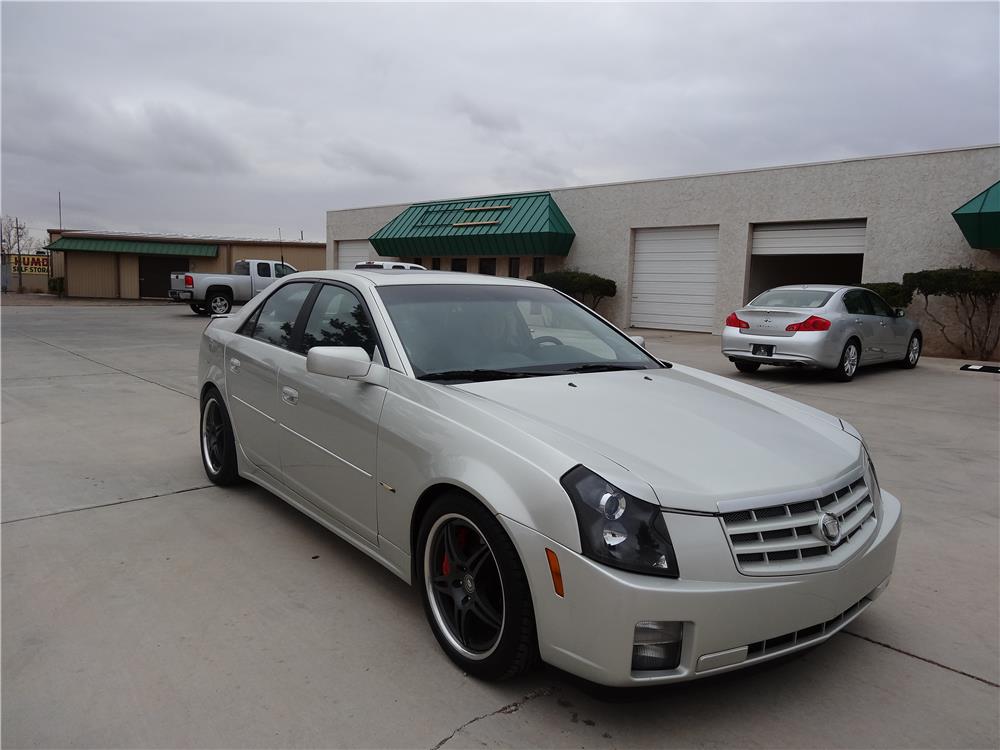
(913, 350)
(745, 365)
(199, 309)
(475, 593)
(849, 361)
(219, 303)
(216, 440)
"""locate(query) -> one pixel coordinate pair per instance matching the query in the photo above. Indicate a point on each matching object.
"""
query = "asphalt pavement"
(144, 607)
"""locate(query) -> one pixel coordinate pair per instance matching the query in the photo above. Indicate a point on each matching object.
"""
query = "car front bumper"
(804, 348)
(729, 621)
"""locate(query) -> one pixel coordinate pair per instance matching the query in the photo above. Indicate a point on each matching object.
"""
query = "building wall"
(128, 276)
(91, 275)
(907, 201)
(304, 258)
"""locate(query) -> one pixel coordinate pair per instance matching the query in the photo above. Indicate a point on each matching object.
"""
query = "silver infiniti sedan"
(551, 489)
(836, 328)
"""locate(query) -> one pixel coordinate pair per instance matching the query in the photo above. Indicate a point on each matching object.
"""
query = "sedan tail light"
(812, 323)
(736, 322)
(189, 281)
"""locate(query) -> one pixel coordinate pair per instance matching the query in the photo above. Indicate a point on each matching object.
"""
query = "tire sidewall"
(517, 644)
(228, 473)
(920, 350)
(841, 373)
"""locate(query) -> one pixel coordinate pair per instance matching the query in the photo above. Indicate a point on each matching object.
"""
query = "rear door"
(329, 426)
(862, 317)
(252, 360)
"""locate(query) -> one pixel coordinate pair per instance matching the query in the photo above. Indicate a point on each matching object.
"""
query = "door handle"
(234, 365)
(289, 395)
(883, 323)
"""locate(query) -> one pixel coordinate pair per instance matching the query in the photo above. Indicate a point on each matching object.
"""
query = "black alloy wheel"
(218, 445)
(474, 589)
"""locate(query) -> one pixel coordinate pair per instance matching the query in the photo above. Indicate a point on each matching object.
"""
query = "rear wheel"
(912, 353)
(218, 444)
(744, 365)
(219, 303)
(199, 309)
(849, 360)
(474, 589)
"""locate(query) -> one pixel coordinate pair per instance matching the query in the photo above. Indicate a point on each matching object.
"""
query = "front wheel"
(848, 364)
(474, 589)
(218, 444)
(744, 365)
(912, 353)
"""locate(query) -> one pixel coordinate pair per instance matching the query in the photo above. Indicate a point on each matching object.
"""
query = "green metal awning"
(979, 219)
(93, 245)
(521, 224)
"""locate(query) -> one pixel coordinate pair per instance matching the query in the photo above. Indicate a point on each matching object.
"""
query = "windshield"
(792, 298)
(465, 332)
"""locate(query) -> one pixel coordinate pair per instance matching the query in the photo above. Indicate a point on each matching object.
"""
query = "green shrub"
(896, 294)
(589, 288)
(57, 285)
(975, 294)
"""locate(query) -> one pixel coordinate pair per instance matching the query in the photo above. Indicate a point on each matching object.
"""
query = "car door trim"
(326, 451)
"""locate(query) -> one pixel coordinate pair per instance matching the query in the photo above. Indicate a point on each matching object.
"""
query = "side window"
(283, 269)
(276, 319)
(264, 270)
(856, 302)
(241, 268)
(338, 319)
(879, 305)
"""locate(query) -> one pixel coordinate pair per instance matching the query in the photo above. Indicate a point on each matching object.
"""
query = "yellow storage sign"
(29, 264)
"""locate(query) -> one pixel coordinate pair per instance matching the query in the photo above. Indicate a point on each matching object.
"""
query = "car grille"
(804, 636)
(785, 539)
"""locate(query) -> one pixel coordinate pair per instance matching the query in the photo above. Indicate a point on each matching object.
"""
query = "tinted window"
(879, 305)
(338, 319)
(458, 264)
(283, 269)
(791, 298)
(241, 268)
(856, 302)
(264, 270)
(276, 320)
(488, 266)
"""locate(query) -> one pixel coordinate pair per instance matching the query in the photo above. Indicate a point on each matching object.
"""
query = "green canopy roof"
(979, 219)
(95, 245)
(522, 224)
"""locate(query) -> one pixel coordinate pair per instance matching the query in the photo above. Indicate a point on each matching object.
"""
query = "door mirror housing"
(640, 340)
(339, 361)
(900, 312)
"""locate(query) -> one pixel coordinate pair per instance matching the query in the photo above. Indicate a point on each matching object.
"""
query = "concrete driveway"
(143, 607)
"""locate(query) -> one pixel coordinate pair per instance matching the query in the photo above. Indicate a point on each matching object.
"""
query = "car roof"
(819, 287)
(397, 277)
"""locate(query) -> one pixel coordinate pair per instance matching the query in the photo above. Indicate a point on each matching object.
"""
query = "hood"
(695, 438)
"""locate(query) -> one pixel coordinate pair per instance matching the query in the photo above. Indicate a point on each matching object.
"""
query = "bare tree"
(14, 239)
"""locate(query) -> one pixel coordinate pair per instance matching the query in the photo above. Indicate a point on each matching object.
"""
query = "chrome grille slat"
(783, 538)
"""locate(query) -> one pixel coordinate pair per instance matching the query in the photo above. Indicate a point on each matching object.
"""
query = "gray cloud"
(240, 118)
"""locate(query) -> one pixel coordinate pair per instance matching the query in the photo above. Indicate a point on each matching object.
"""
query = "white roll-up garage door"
(813, 238)
(673, 278)
(354, 251)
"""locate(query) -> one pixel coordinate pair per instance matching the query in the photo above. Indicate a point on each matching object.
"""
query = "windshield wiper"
(603, 367)
(480, 375)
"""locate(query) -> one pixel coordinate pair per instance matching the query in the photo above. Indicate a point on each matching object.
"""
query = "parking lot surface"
(144, 607)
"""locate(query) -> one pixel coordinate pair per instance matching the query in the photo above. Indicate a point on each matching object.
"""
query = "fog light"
(656, 645)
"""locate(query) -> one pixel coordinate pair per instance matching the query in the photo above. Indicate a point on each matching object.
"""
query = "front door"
(893, 332)
(328, 425)
(252, 361)
(154, 273)
(866, 324)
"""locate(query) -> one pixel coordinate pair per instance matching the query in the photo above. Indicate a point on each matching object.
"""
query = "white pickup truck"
(215, 293)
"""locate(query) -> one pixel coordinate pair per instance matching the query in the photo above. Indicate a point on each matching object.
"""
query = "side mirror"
(338, 361)
(640, 340)
(900, 312)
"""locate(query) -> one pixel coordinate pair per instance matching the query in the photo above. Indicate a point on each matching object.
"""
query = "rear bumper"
(729, 620)
(805, 348)
(179, 295)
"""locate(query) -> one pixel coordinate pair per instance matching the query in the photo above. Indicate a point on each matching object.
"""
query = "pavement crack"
(923, 658)
(108, 505)
(104, 364)
(510, 708)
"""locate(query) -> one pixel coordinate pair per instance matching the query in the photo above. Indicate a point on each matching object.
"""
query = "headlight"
(617, 529)
(873, 487)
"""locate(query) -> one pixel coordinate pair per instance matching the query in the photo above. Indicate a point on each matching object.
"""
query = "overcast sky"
(237, 119)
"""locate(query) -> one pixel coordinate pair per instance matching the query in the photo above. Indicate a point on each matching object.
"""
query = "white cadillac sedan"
(551, 489)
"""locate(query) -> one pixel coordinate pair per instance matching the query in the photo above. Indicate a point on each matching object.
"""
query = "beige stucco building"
(686, 251)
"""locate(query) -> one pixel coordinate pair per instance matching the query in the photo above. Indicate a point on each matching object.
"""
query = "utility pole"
(281, 247)
(20, 265)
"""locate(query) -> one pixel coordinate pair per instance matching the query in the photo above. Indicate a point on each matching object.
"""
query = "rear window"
(792, 298)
